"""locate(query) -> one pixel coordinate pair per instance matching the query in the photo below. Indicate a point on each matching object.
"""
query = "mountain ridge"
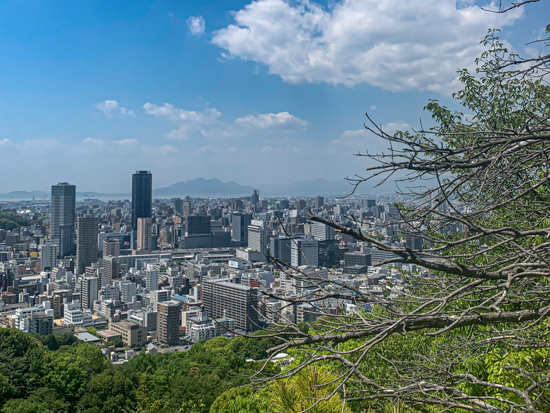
(201, 187)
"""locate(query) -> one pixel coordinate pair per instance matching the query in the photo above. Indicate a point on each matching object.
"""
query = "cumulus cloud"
(209, 115)
(112, 109)
(397, 45)
(196, 25)
(191, 122)
(208, 123)
(269, 120)
(5, 141)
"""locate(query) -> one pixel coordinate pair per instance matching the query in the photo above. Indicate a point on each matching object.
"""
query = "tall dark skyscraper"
(255, 197)
(63, 217)
(178, 205)
(142, 196)
(86, 242)
(239, 226)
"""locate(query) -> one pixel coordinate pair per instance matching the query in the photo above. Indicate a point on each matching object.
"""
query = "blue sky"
(254, 92)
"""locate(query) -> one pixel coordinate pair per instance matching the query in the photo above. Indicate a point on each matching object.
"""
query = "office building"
(152, 280)
(239, 226)
(145, 318)
(415, 242)
(357, 258)
(300, 204)
(86, 242)
(319, 202)
(73, 314)
(158, 296)
(89, 290)
(198, 232)
(329, 253)
(128, 291)
(238, 302)
(111, 269)
(48, 256)
(304, 252)
(144, 234)
(257, 238)
(41, 324)
(168, 323)
(187, 208)
(21, 314)
(62, 218)
(280, 248)
(142, 196)
(236, 204)
(198, 327)
(131, 333)
(111, 248)
(198, 225)
(178, 206)
(255, 198)
(321, 232)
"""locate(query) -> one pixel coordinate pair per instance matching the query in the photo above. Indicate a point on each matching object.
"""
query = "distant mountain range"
(203, 188)
(23, 195)
(214, 188)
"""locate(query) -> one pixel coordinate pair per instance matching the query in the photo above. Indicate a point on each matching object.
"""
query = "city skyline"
(180, 89)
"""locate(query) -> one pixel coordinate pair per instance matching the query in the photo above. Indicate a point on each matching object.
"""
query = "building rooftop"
(227, 283)
(107, 334)
(87, 337)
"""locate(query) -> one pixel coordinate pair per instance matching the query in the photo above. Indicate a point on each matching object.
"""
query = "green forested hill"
(61, 375)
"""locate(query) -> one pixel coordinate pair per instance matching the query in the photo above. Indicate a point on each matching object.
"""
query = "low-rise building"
(41, 324)
(132, 334)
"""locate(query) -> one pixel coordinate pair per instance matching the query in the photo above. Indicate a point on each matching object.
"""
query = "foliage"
(10, 221)
(312, 389)
(63, 375)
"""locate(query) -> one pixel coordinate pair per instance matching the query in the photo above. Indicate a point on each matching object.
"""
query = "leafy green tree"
(479, 188)
(242, 400)
(108, 392)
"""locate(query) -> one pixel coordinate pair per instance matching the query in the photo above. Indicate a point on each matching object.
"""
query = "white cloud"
(192, 123)
(270, 120)
(196, 25)
(373, 107)
(209, 115)
(126, 142)
(112, 109)
(5, 141)
(208, 123)
(394, 44)
(92, 141)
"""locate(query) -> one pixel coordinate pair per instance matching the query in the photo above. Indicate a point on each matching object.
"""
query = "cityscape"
(275, 206)
(160, 273)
